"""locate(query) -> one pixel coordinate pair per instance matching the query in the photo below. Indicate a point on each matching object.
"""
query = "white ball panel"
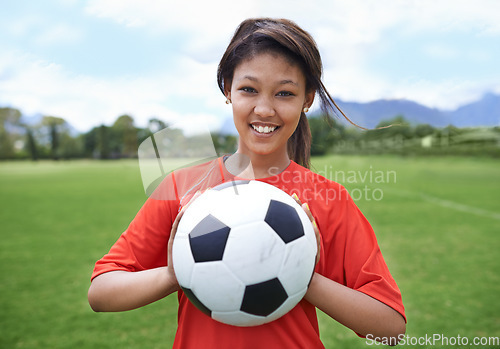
(298, 265)
(196, 211)
(216, 287)
(254, 252)
(276, 194)
(243, 209)
(183, 261)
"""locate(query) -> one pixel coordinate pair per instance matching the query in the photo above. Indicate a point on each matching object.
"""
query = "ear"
(227, 88)
(309, 99)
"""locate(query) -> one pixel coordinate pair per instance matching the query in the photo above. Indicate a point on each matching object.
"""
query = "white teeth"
(264, 129)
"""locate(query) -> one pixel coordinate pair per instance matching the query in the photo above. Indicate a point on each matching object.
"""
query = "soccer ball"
(244, 253)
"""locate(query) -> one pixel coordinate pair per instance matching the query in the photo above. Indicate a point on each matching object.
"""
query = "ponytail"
(299, 144)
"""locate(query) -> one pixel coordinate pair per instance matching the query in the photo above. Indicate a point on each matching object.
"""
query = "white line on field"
(449, 204)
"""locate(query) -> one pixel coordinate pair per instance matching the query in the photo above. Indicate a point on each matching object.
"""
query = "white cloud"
(171, 15)
(441, 51)
(41, 31)
(347, 32)
(208, 24)
(21, 26)
(60, 33)
(36, 86)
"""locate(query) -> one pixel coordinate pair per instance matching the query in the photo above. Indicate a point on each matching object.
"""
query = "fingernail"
(295, 196)
(307, 206)
(315, 225)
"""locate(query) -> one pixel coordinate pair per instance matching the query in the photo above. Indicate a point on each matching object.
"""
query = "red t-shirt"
(350, 256)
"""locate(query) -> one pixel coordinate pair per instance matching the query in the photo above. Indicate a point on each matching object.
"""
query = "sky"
(91, 61)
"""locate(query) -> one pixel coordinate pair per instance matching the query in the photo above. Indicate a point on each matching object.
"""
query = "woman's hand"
(124, 290)
(305, 207)
(173, 231)
(358, 311)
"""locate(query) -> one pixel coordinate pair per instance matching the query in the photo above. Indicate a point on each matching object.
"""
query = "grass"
(437, 223)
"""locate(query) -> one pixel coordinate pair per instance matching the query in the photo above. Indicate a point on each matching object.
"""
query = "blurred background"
(84, 83)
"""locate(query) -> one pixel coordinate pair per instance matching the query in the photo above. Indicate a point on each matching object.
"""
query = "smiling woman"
(298, 51)
(268, 95)
(271, 73)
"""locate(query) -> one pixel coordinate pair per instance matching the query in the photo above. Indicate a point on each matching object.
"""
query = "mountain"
(228, 127)
(484, 112)
(370, 114)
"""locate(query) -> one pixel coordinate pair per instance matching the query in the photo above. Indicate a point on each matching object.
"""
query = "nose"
(264, 107)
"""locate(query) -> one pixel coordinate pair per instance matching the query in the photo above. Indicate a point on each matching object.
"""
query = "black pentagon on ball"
(263, 298)
(196, 302)
(284, 220)
(208, 240)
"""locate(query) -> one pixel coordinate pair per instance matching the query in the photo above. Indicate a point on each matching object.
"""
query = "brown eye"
(285, 94)
(248, 89)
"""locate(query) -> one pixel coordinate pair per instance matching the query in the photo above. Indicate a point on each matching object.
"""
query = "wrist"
(309, 296)
(169, 280)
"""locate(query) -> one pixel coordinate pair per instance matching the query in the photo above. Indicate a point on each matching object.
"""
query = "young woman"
(270, 74)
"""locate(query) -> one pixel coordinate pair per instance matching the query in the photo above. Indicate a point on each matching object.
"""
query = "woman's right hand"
(173, 231)
(124, 290)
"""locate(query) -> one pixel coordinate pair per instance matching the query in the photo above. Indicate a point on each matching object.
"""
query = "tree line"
(397, 135)
(53, 138)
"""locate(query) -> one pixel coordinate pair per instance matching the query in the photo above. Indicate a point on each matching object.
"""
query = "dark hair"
(282, 36)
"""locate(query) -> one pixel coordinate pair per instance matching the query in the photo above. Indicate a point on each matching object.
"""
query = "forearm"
(356, 310)
(122, 290)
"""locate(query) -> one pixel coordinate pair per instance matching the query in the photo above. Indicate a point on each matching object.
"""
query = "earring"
(306, 109)
(228, 101)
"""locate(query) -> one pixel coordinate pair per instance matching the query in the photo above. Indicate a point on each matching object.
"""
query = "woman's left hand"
(305, 207)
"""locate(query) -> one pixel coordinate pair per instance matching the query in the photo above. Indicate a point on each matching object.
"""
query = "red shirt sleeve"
(352, 255)
(144, 244)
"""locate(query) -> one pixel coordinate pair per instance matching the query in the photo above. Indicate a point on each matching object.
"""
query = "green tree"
(390, 128)
(9, 119)
(103, 150)
(324, 134)
(224, 143)
(423, 130)
(55, 128)
(155, 125)
(31, 146)
(90, 143)
(71, 146)
(125, 136)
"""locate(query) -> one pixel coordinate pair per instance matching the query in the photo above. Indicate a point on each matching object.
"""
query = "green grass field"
(437, 221)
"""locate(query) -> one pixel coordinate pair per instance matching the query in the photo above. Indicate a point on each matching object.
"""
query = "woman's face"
(267, 94)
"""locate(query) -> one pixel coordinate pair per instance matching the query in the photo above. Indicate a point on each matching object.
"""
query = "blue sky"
(91, 61)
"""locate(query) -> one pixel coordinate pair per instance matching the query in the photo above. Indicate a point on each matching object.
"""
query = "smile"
(264, 129)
